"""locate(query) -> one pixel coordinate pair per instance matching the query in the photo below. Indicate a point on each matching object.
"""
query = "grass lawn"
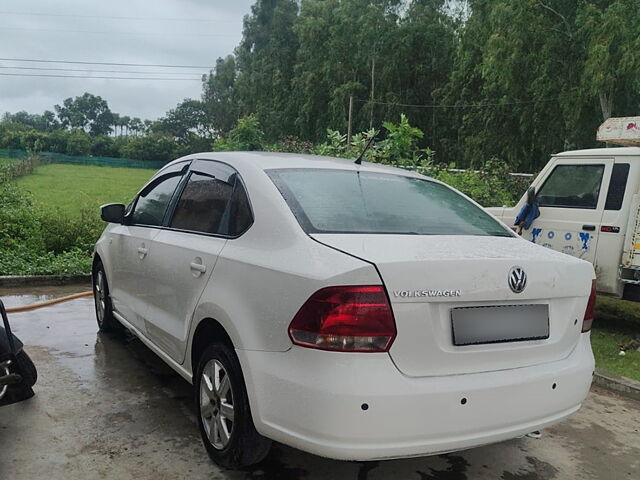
(616, 322)
(606, 345)
(69, 188)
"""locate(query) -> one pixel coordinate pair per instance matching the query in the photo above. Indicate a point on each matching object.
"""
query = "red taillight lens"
(591, 309)
(345, 319)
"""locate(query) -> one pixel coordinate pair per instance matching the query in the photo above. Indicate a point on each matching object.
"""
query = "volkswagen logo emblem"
(517, 279)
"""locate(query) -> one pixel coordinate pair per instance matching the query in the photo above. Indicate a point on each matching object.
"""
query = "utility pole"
(350, 119)
(373, 86)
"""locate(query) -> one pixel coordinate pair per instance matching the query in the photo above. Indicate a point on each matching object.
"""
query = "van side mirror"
(531, 196)
(112, 213)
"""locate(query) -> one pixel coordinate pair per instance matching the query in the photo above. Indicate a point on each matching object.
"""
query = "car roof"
(605, 152)
(277, 160)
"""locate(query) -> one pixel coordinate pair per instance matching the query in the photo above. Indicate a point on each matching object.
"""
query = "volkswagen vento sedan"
(357, 312)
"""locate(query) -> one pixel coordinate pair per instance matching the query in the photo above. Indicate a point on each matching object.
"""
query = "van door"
(571, 200)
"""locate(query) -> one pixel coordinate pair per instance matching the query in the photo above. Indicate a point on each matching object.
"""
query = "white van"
(589, 204)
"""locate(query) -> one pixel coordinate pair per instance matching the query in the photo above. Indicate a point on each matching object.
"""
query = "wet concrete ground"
(106, 407)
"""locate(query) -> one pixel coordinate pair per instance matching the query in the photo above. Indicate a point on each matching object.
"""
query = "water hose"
(48, 303)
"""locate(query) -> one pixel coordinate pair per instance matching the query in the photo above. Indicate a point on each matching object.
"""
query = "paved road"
(106, 407)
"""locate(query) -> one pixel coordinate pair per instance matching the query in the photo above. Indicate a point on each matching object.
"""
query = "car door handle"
(589, 228)
(142, 252)
(198, 267)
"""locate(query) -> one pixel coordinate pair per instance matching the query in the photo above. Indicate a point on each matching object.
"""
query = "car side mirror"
(531, 196)
(112, 213)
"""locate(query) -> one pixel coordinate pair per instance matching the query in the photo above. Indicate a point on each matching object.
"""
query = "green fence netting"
(50, 157)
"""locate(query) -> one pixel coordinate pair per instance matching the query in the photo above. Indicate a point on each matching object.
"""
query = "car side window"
(241, 217)
(204, 205)
(572, 186)
(152, 202)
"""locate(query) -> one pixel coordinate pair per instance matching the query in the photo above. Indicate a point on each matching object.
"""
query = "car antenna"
(366, 147)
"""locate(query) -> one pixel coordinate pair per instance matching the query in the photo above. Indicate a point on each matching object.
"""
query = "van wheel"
(224, 416)
(631, 293)
(104, 309)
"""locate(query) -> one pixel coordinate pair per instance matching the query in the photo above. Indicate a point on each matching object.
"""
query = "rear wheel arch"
(207, 332)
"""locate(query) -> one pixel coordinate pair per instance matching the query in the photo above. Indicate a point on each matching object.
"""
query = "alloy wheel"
(216, 404)
(100, 296)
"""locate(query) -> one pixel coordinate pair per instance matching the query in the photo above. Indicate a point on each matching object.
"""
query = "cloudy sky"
(144, 32)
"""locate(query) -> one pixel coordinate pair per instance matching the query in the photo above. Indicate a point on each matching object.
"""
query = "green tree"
(344, 50)
(187, 119)
(535, 77)
(152, 146)
(44, 123)
(125, 122)
(116, 123)
(78, 143)
(218, 96)
(610, 32)
(512, 85)
(265, 61)
(136, 125)
(88, 112)
(246, 135)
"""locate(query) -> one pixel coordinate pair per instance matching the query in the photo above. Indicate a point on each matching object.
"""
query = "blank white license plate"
(504, 323)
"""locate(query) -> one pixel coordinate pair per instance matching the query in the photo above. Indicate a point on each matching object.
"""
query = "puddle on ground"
(19, 296)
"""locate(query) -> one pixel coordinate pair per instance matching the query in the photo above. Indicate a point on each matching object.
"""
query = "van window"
(572, 186)
(202, 205)
(617, 186)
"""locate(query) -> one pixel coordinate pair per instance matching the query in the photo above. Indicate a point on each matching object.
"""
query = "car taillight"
(591, 308)
(345, 319)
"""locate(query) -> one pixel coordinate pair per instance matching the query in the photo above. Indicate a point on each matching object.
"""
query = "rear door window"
(350, 201)
(203, 205)
(572, 186)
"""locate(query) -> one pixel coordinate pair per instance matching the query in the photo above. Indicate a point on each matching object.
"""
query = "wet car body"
(340, 309)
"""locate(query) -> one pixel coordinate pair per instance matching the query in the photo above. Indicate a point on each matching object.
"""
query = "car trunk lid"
(427, 277)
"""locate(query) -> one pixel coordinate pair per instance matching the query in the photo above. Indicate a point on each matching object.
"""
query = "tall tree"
(265, 60)
(187, 119)
(45, 123)
(116, 123)
(515, 71)
(219, 96)
(88, 112)
(344, 49)
(611, 71)
(537, 76)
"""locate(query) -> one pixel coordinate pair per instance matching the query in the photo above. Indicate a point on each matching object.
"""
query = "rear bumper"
(313, 400)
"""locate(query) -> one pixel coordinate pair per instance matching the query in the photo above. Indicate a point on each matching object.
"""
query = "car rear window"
(350, 201)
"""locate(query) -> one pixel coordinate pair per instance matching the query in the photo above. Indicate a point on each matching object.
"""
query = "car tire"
(102, 301)
(224, 416)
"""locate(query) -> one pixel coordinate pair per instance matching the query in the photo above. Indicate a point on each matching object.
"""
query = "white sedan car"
(357, 312)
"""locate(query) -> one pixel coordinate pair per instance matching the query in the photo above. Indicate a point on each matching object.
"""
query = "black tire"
(102, 301)
(26, 368)
(631, 292)
(245, 446)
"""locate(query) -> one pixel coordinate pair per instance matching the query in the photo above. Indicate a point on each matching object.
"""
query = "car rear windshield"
(350, 201)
